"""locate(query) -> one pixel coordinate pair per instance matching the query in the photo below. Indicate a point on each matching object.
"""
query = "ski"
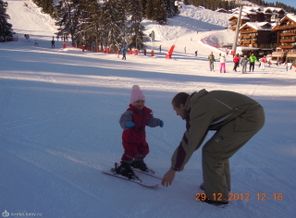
(150, 172)
(136, 181)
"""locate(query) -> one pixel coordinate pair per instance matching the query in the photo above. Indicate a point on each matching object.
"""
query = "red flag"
(170, 52)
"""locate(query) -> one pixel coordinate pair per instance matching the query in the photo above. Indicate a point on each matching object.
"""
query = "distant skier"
(244, 63)
(288, 65)
(236, 60)
(53, 42)
(263, 62)
(133, 122)
(196, 52)
(222, 59)
(124, 51)
(27, 36)
(252, 60)
(211, 59)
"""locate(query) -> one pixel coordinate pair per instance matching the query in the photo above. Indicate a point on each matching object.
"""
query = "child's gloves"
(129, 124)
(161, 123)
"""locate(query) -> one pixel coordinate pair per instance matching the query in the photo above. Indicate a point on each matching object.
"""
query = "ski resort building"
(257, 35)
(234, 19)
(255, 14)
(286, 38)
(274, 13)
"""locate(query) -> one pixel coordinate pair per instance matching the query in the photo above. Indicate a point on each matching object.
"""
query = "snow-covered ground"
(59, 111)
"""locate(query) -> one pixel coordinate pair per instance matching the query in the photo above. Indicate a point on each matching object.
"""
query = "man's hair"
(179, 99)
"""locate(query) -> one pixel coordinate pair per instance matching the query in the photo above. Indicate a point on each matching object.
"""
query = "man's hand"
(168, 178)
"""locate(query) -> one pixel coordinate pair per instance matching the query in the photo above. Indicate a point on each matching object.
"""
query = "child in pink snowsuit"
(133, 122)
(222, 63)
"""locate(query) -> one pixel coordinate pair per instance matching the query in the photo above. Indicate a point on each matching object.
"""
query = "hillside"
(181, 29)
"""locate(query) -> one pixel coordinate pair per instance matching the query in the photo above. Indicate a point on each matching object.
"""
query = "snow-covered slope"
(25, 13)
(59, 111)
(194, 28)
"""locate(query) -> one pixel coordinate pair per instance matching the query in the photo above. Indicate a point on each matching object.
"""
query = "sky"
(287, 2)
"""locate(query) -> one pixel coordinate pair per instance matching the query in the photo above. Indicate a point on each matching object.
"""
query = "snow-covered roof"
(242, 17)
(273, 9)
(256, 9)
(291, 16)
(221, 9)
(258, 25)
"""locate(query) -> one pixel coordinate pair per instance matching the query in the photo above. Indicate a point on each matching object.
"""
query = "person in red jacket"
(236, 60)
(133, 122)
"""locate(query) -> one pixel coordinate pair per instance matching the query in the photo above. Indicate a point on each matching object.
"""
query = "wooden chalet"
(286, 37)
(257, 35)
(274, 14)
(256, 14)
(234, 19)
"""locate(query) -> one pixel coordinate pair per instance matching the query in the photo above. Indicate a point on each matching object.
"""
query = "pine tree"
(144, 5)
(135, 28)
(160, 13)
(67, 19)
(5, 27)
(171, 9)
(114, 29)
(46, 5)
(88, 23)
(156, 10)
(149, 10)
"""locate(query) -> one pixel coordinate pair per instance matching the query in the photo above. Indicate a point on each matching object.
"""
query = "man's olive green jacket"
(208, 111)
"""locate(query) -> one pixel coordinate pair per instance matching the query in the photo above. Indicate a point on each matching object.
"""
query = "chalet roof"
(249, 10)
(282, 23)
(291, 16)
(273, 9)
(236, 16)
(246, 10)
(254, 10)
(221, 10)
(259, 26)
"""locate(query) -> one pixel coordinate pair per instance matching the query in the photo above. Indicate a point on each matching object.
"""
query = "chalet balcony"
(248, 36)
(244, 36)
(245, 42)
(291, 54)
(285, 27)
(288, 46)
(291, 40)
(288, 34)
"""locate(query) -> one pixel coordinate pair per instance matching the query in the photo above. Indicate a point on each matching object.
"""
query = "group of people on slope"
(222, 61)
(245, 60)
(237, 60)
